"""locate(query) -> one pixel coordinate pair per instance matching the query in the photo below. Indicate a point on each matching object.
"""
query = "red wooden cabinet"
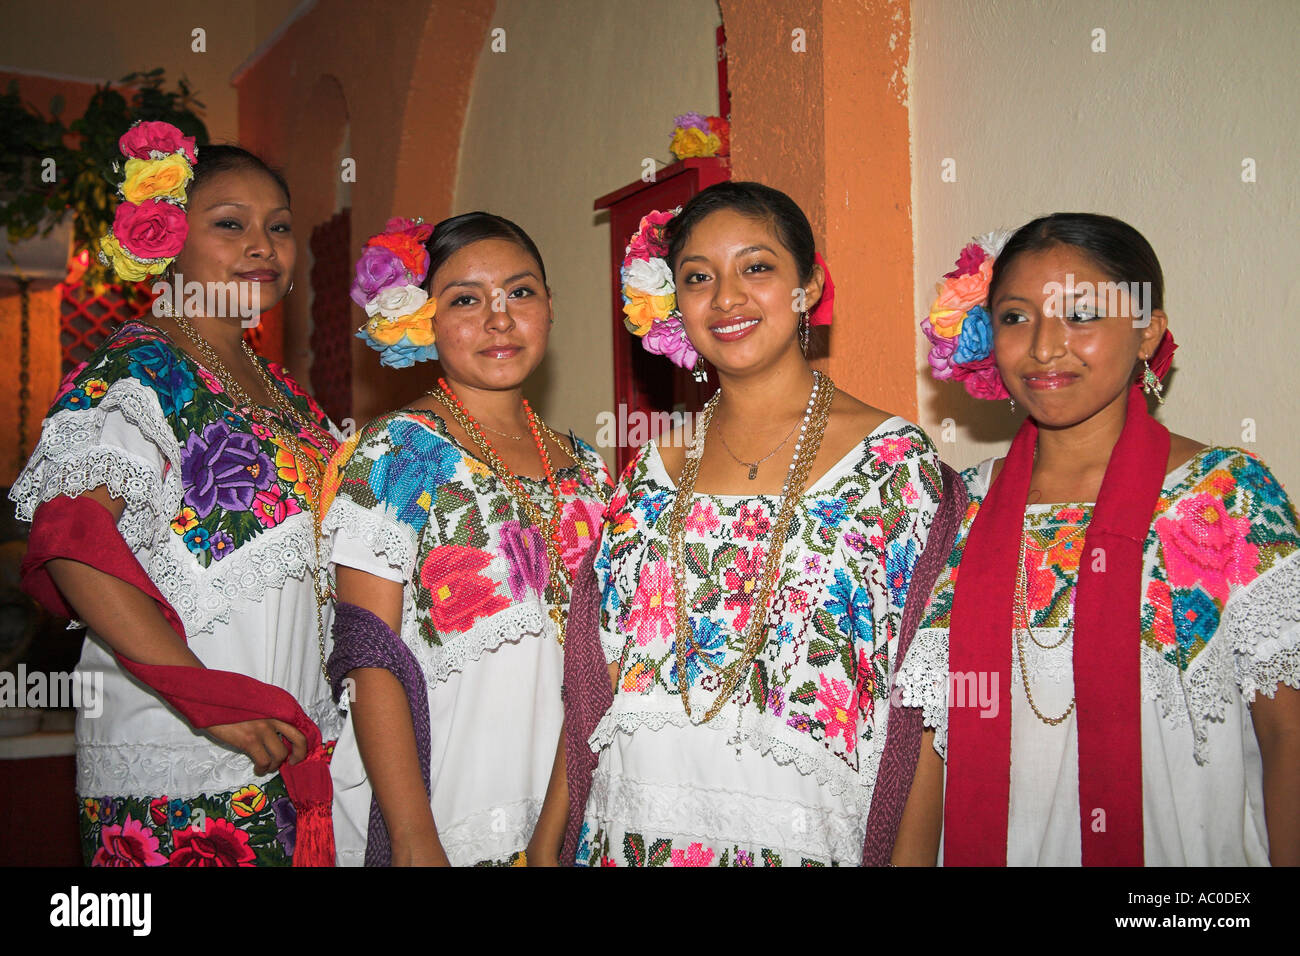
(645, 383)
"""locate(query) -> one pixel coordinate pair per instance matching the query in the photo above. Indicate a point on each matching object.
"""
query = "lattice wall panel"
(85, 319)
(331, 315)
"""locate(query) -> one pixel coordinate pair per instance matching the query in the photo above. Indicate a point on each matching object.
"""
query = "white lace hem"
(923, 682)
(374, 530)
(1262, 623)
(493, 833)
(763, 733)
(719, 818)
(180, 769)
(511, 626)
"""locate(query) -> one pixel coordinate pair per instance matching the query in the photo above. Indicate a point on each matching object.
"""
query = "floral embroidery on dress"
(640, 850)
(825, 665)
(239, 480)
(474, 553)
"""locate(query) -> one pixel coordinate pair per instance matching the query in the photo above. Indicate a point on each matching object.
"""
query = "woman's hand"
(261, 741)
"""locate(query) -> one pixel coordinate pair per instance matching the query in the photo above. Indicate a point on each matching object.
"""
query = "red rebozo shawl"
(81, 529)
(1107, 641)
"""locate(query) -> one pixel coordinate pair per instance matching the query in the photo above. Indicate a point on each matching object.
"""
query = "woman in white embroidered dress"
(445, 528)
(747, 725)
(208, 494)
(1220, 581)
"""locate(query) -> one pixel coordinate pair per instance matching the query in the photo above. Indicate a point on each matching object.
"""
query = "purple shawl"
(588, 695)
(362, 640)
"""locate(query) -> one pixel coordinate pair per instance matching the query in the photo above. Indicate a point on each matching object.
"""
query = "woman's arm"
(381, 717)
(129, 622)
(922, 823)
(1277, 728)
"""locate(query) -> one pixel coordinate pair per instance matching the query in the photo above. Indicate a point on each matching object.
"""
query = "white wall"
(1153, 131)
(583, 92)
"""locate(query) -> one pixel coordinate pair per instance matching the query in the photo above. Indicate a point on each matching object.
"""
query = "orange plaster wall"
(44, 356)
(402, 73)
(830, 128)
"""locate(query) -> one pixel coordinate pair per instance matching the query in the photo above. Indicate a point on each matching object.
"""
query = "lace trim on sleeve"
(376, 531)
(1262, 624)
(923, 681)
(72, 458)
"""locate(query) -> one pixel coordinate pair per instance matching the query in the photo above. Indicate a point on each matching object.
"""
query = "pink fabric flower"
(982, 379)
(69, 381)
(212, 383)
(940, 356)
(271, 508)
(694, 855)
(131, 844)
(894, 449)
(743, 579)
(702, 520)
(667, 337)
(654, 605)
(1205, 545)
(968, 261)
(143, 139)
(152, 230)
(751, 523)
(649, 240)
(578, 529)
(839, 703)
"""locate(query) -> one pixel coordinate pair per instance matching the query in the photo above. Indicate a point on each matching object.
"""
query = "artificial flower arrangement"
(695, 134)
(650, 295)
(149, 228)
(959, 327)
(390, 272)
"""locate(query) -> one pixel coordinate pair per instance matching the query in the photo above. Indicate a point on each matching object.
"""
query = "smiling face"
(736, 290)
(494, 315)
(1067, 368)
(241, 230)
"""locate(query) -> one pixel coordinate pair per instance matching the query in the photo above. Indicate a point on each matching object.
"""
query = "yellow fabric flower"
(688, 142)
(95, 388)
(334, 471)
(642, 310)
(156, 178)
(417, 327)
(248, 801)
(187, 519)
(124, 267)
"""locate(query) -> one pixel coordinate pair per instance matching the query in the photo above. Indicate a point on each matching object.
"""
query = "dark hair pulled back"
(757, 202)
(452, 235)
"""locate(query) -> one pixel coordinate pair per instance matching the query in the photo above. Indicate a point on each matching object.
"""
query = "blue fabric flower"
(157, 366)
(976, 339)
(710, 643)
(851, 607)
(75, 399)
(654, 504)
(420, 462)
(830, 511)
(401, 355)
(196, 539)
(178, 814)
(1196, 616)
(899, 562)
(1260, 481)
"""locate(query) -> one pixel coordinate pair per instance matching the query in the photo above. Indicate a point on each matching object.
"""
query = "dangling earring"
(1011, 403)
(700, 373)
(290, 287)
(803, 333)
(1151, 384)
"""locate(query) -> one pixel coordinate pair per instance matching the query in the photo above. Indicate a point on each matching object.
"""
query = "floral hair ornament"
(149, 227)
(650, 295)
(695, 134)
(959, 327)
(390, 272)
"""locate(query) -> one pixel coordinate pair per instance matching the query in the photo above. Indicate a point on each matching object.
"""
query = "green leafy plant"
(48, 170)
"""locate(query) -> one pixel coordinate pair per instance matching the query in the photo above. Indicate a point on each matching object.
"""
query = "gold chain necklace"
(558, 575)
(811, 431)
(1022, 601)
(304, 463)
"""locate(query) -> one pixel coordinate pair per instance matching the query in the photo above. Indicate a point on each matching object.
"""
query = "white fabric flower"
(992, 242)
(651, 276)
(397, 301)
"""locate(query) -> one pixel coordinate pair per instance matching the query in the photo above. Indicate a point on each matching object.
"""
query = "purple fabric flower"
(525, 551)
(668, 338)
(220, 545)
(286, 824)
(224, 468)
(377, 269)
(692, 120)
(940, 355)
